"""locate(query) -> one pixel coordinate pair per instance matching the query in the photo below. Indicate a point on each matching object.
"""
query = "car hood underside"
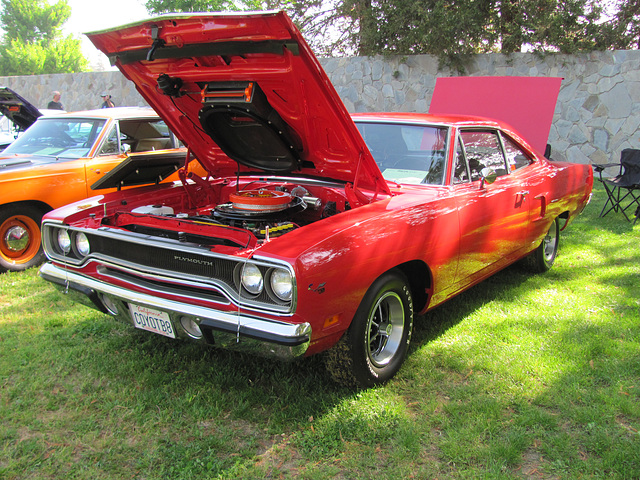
(243, 91)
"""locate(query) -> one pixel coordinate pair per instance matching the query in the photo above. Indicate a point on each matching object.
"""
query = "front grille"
(159, 258)
(183, 290)
(161, 263)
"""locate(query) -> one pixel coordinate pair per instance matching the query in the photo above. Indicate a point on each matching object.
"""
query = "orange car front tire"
(20, 245)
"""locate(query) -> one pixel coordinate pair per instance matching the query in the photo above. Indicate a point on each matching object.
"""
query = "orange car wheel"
(20, 245)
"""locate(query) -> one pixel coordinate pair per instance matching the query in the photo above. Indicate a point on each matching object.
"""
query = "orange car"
(64, 158)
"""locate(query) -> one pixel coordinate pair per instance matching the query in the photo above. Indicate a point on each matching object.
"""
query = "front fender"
(345, 254)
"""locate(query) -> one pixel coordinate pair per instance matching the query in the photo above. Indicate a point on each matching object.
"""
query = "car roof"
(447, 120)
(109, 113)
(451, 120)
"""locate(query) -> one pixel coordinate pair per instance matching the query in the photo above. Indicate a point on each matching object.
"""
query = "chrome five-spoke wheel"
(376, 343)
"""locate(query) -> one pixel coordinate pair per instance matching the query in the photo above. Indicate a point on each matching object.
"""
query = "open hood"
(17, 109)
(525, 103)
(243, 89)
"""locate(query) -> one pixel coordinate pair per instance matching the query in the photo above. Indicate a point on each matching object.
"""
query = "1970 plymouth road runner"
(314, 230)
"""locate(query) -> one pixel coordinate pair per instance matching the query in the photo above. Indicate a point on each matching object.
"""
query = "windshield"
(58, 137)
(410, 154)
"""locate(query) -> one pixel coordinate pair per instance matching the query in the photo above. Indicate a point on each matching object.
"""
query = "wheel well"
(420, 282)
(43, 207)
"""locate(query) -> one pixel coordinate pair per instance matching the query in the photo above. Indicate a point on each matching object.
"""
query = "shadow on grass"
(291, 392)
(613, 221)
(245, 386)
(437, 322)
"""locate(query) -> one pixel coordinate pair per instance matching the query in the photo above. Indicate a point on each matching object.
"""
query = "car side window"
(144, 135)
(483, 149)
(516, 157)
(460, 171)
(111, 146)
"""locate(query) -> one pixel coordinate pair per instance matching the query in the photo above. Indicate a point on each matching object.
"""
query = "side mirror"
(126, 148)
(488, 176)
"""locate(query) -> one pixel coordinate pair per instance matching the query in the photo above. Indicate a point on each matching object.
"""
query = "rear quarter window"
(516, 157)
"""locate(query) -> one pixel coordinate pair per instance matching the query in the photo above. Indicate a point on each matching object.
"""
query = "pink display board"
(525, 103)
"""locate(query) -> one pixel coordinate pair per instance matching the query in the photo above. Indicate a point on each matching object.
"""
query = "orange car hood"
(200, 71)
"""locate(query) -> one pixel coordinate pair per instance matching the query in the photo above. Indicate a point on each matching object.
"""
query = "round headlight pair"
(280, 281)
(65, 244)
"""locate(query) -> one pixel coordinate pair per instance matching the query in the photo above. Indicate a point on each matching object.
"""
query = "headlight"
(282, 284)
(82, 244)
(252, 279)
(64, 241)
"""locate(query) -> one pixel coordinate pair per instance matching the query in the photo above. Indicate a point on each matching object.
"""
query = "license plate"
(151, 320)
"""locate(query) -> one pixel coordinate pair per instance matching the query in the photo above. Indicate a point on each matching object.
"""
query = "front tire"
(375, 346)
(20, 245)
(542, 258)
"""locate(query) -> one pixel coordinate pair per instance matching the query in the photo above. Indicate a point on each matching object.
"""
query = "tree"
(452, 29)
(155, 7)
(623, 31)
(449, 29)
(33, 43)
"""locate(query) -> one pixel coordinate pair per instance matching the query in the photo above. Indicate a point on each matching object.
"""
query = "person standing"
(106, 101)
(55, 103)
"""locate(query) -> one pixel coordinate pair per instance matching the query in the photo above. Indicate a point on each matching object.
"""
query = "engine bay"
(265, 213)
(247, 213)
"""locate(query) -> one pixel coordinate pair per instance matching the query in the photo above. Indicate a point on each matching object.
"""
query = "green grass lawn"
(523, 376)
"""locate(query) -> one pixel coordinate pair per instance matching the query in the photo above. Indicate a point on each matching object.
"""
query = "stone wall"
(80, 91)
(597, 114)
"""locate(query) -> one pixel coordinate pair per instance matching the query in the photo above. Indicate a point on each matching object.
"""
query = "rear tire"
(376, 344)
(20, 245)
(542, 258)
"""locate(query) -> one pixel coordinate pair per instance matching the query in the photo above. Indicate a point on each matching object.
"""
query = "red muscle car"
(314, 230)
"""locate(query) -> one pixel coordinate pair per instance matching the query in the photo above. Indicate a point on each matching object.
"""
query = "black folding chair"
(623, 190)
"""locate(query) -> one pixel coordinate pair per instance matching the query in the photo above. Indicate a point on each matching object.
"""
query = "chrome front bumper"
(236, 331)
